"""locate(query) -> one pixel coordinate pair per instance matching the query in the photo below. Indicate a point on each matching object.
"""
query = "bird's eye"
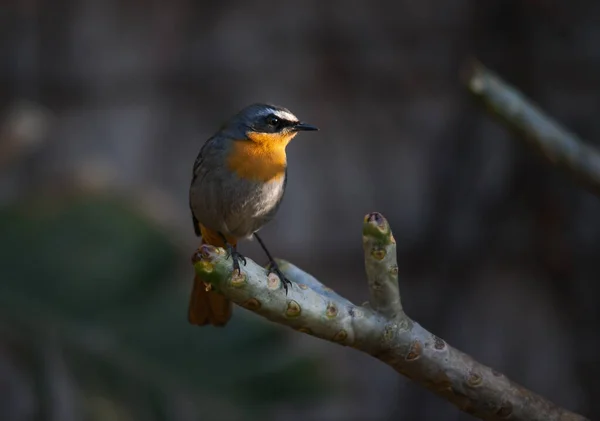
(272, 120)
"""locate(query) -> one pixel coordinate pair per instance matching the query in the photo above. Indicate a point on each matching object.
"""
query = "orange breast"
(265, 161)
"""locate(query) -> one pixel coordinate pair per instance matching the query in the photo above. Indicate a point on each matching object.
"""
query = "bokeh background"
(103, 108)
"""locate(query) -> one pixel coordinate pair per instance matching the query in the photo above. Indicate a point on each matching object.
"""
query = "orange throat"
(262, 158)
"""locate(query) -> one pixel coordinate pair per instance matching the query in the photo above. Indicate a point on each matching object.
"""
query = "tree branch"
(559, 146)
(380, 329)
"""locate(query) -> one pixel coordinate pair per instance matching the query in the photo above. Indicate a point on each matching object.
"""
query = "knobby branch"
(379, 328)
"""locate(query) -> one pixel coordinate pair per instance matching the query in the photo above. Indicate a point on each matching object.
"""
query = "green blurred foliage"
(92, 276)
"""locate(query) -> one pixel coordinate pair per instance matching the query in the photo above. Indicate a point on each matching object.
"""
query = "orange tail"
(209, 307)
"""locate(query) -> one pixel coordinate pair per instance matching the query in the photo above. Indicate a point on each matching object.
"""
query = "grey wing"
(199, 171)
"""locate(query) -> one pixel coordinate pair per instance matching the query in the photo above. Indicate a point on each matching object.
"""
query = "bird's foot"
(273, 268)
(236, 256)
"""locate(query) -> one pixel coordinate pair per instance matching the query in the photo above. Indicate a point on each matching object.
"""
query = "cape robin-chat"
(239, 179)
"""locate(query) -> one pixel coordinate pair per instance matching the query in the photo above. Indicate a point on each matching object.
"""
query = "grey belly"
(238, 207)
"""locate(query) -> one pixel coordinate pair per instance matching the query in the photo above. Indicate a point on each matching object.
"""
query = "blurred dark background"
(103, 108)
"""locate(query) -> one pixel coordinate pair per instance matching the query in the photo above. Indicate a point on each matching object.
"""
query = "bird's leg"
(235, 255)
(273, 268)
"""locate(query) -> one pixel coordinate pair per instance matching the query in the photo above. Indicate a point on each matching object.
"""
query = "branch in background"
(380, 329)
(561, 147)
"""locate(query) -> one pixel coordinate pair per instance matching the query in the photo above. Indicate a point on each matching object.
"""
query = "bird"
(238, 182)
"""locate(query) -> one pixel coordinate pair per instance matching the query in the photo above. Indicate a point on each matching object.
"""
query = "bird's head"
(267, 125)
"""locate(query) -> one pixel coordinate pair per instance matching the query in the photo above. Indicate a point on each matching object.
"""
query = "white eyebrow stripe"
(285, 115)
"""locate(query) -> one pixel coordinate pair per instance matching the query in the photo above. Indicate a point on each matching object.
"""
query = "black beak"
(304, 127)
